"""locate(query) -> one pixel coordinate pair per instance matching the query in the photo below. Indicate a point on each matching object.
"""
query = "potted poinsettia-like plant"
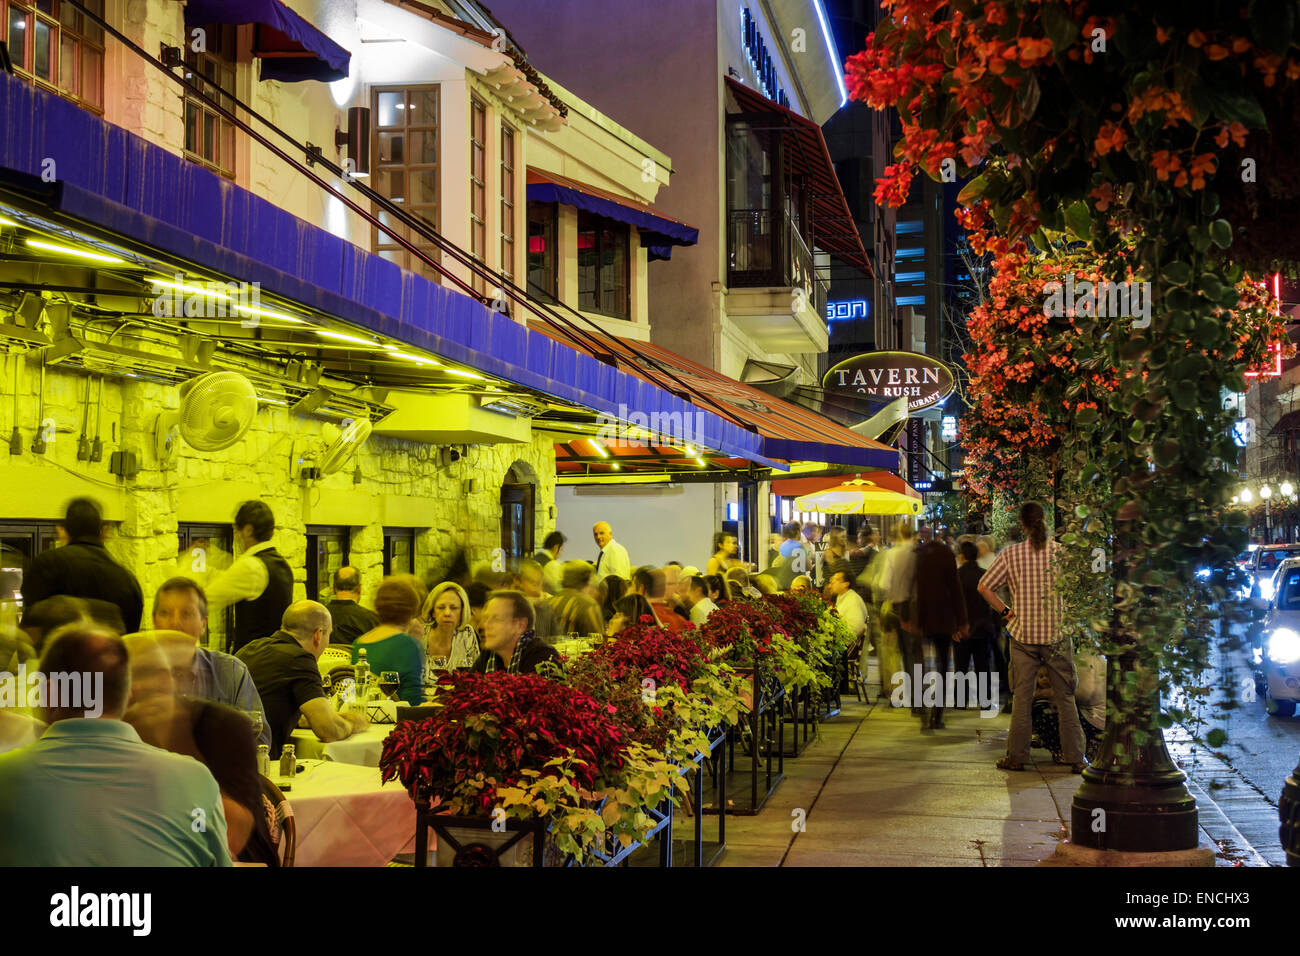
(667, 688)
(532, 747)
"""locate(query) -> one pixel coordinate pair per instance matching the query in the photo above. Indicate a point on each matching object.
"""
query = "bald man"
(288, 678)
(613, 557)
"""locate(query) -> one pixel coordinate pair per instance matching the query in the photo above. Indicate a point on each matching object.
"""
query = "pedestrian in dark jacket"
(976, 646)
(937, 612)
(83, 568)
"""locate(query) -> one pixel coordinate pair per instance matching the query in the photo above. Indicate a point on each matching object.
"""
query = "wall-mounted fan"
(337, 452)
(216, 409)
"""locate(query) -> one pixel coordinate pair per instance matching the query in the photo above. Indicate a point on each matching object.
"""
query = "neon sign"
(848, 309)
(762, 62)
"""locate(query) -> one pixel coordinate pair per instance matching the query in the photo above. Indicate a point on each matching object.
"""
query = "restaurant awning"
(118, 192)
(806, 156)
(796, 487)
(788, 432)
(659, 233)
(290, 48)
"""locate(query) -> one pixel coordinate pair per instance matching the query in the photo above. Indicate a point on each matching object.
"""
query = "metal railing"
(764, 249)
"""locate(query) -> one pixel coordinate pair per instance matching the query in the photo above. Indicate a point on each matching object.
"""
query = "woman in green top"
(388, 646)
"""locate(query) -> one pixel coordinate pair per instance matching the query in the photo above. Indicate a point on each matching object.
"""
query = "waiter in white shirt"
(613, 557)
(259, 585)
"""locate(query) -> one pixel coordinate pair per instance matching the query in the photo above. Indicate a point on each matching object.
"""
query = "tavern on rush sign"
(922, 380)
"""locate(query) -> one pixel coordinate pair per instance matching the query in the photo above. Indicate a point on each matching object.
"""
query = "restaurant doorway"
(518, 510)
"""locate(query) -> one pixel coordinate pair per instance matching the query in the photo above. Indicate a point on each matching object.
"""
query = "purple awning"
(658, 232)
(290, 48)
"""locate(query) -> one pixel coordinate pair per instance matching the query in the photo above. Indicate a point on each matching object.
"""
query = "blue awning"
(119, 182)
(658, 233)
(290, 48)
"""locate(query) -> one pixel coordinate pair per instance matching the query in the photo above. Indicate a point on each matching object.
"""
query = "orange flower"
(1104, 195)
(1240, 44)
(1235, 131)
(1162, 35)
(1216, 52)
(1196, 38)
(1202, 164)
(1111, 136)
(1167, 164)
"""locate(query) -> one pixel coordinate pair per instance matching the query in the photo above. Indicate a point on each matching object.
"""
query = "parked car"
(1262, 564)
(1277, 659)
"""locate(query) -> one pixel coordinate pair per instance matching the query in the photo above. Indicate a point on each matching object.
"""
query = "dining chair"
(332, 656)
(279, 817)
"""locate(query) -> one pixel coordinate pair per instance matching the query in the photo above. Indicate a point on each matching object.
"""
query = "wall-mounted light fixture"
(356, 140)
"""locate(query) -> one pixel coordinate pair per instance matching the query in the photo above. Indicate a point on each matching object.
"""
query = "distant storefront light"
(948, 428)
(847, 309)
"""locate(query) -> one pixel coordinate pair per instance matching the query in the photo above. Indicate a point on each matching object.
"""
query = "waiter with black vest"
(259, 585)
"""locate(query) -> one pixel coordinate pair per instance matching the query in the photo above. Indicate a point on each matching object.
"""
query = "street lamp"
(1287, 489)
(1247, 496)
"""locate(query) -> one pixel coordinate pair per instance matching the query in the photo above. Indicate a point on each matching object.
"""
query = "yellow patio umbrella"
(859, 497)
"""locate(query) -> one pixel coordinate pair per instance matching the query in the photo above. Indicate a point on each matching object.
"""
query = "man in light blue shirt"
(181, 608)
(90, 792)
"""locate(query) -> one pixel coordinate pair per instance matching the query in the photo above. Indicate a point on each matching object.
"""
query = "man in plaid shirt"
(1034, 623)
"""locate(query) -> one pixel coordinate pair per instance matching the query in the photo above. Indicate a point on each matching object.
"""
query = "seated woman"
(801, 583)
(389, 647)
(725, 547)
(716, 588)
(450, 642)
(628, 611)
(615, 589)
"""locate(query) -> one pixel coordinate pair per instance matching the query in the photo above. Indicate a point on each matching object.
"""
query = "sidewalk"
(876, 791)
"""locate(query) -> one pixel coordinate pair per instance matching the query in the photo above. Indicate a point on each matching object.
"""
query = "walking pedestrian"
(938, 613)
(1034, 622)
(894, 652)
(973, 649)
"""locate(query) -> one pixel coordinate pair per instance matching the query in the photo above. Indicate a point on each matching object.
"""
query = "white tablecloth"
(361, 749)
(345, 817)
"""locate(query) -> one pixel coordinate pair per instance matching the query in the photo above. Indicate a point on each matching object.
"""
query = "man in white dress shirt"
(613, 557)
(848, 603)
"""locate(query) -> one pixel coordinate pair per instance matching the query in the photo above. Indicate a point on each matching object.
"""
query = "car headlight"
(1266, 589)
(1284, 645)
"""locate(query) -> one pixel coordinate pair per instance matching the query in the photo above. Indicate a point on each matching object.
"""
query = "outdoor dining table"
(362, 749)
(346, 817)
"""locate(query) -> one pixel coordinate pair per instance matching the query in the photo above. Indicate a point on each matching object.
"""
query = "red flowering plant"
(1135, 131)
(531, 746)
(786, 635)
(666, 687)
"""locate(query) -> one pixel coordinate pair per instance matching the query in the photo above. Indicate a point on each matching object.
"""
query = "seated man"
(90, 792)
(215, 735)
(658, 592)
(508, 640)
(848, 603)
(351, 620)
(288, 679)
(181, 609)
(701, 605)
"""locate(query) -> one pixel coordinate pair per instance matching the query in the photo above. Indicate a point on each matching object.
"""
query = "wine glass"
(389, 682)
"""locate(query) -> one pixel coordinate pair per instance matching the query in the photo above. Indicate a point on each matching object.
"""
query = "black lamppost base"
(1135, 815)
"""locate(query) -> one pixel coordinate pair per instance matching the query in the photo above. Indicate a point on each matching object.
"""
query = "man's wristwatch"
(1004, 613)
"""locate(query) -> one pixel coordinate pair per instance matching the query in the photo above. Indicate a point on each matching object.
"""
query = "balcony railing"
(764, 249)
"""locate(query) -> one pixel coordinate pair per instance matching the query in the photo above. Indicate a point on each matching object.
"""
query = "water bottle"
(362, 674)
(264, 759)
(288, 765)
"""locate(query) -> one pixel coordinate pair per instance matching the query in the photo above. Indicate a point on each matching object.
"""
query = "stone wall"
(402, 483)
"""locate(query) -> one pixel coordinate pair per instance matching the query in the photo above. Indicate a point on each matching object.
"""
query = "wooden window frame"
(205, 154)
(600, 307)
(382, 243)
(82, 37)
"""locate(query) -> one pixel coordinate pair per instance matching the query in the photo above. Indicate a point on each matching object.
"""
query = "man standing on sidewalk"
(1034, 623)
